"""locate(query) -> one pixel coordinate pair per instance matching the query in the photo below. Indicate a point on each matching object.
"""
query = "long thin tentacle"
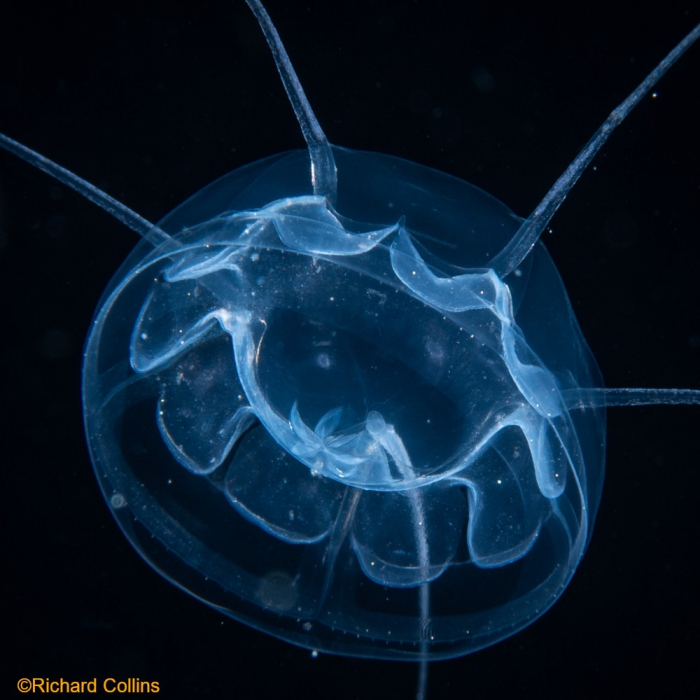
(102, 199)
(323, 170)
(520, 245)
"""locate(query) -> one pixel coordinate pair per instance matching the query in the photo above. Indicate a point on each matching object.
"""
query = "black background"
(152, 101)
